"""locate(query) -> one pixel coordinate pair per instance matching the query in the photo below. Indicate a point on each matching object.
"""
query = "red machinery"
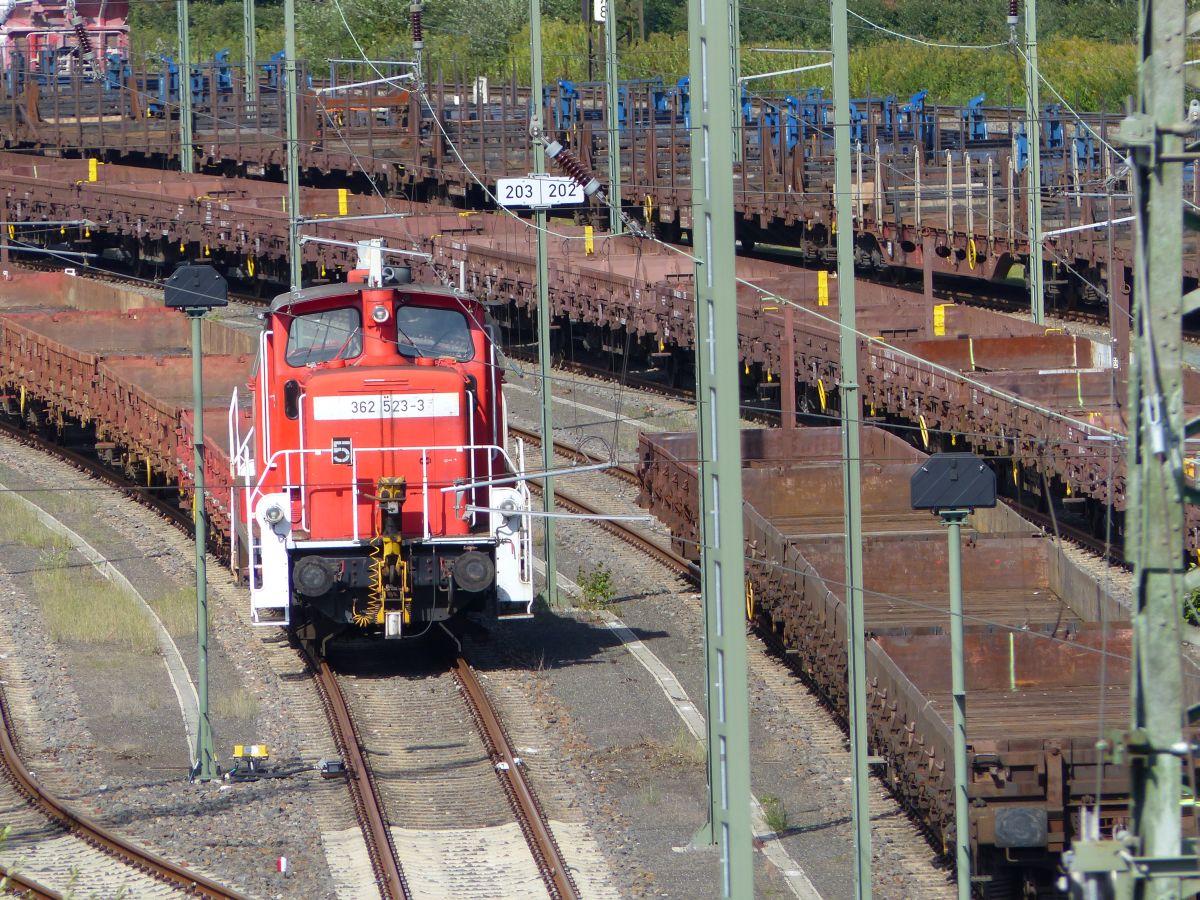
(377, 490)
(44, 29)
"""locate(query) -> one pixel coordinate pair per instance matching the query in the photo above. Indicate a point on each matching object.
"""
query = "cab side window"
(322, 336)
(433, 333)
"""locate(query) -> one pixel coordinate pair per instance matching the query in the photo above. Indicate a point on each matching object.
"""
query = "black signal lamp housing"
(199, 288)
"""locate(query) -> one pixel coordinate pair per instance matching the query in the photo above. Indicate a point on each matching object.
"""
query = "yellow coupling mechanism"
(391, 493)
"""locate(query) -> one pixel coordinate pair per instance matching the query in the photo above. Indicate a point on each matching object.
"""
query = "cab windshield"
(426, 331)
(321, 336)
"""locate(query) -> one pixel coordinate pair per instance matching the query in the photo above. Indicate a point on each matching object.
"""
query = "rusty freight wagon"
(111, 370)
(1045, 680)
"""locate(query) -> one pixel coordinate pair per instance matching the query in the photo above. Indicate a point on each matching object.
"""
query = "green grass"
(686, 747)
(177, 611)
(683, 751)
(81, 606)
(597, 586)
(19, 524)
(776, 814)
(237, 704)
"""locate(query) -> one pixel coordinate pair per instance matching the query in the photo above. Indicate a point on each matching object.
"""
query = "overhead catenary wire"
(943, 370)
(921, 41)
(951, 373)
(827, 320)
(450, 141)
(1060, 98)
(601, 237)
(954, 374)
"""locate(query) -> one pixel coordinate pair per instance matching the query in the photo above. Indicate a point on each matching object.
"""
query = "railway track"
(397, 774)
(57, 845)
(367, 803)
(546, 859)
(531, 819)
(370, 807)
(172, 512)
(586, 506)
(21, 886)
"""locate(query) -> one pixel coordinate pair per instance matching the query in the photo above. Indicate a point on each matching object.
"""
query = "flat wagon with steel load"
(1045, 680)
(122, 374)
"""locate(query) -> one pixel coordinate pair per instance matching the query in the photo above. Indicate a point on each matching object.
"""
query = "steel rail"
(525, 806)
(365, 793)
(90, 832)
(623, 473)
(1110, 552)
(20, 886)
(632, 536)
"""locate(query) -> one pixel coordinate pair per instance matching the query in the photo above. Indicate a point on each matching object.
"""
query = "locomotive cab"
(377, 489)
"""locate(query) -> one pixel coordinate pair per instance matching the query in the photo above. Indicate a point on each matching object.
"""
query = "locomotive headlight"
(273, 514)
(379, 314)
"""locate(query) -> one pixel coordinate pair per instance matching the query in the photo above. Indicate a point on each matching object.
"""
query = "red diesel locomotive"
(376, 489)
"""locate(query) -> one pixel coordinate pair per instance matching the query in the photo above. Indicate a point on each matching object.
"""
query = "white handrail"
(285, 456)
(533, 476)
(264, 379)
(239, 447)
(233, 432)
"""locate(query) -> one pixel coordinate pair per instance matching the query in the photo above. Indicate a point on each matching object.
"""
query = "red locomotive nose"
(379, 423)
(399, 423)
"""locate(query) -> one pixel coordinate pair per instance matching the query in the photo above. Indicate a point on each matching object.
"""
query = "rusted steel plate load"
(1044, 681)
(141, 400)
(76, 353)
(950, 370)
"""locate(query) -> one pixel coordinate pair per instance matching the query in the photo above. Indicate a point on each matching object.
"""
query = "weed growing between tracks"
(776, 814)
(683, 751)
(19, 525)
(597, 586)
(82, 606)
(239, 703)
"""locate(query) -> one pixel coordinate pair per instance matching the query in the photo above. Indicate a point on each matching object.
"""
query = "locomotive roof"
(293, 299)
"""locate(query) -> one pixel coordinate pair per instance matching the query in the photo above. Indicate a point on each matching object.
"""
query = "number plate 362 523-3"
(385, 406)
